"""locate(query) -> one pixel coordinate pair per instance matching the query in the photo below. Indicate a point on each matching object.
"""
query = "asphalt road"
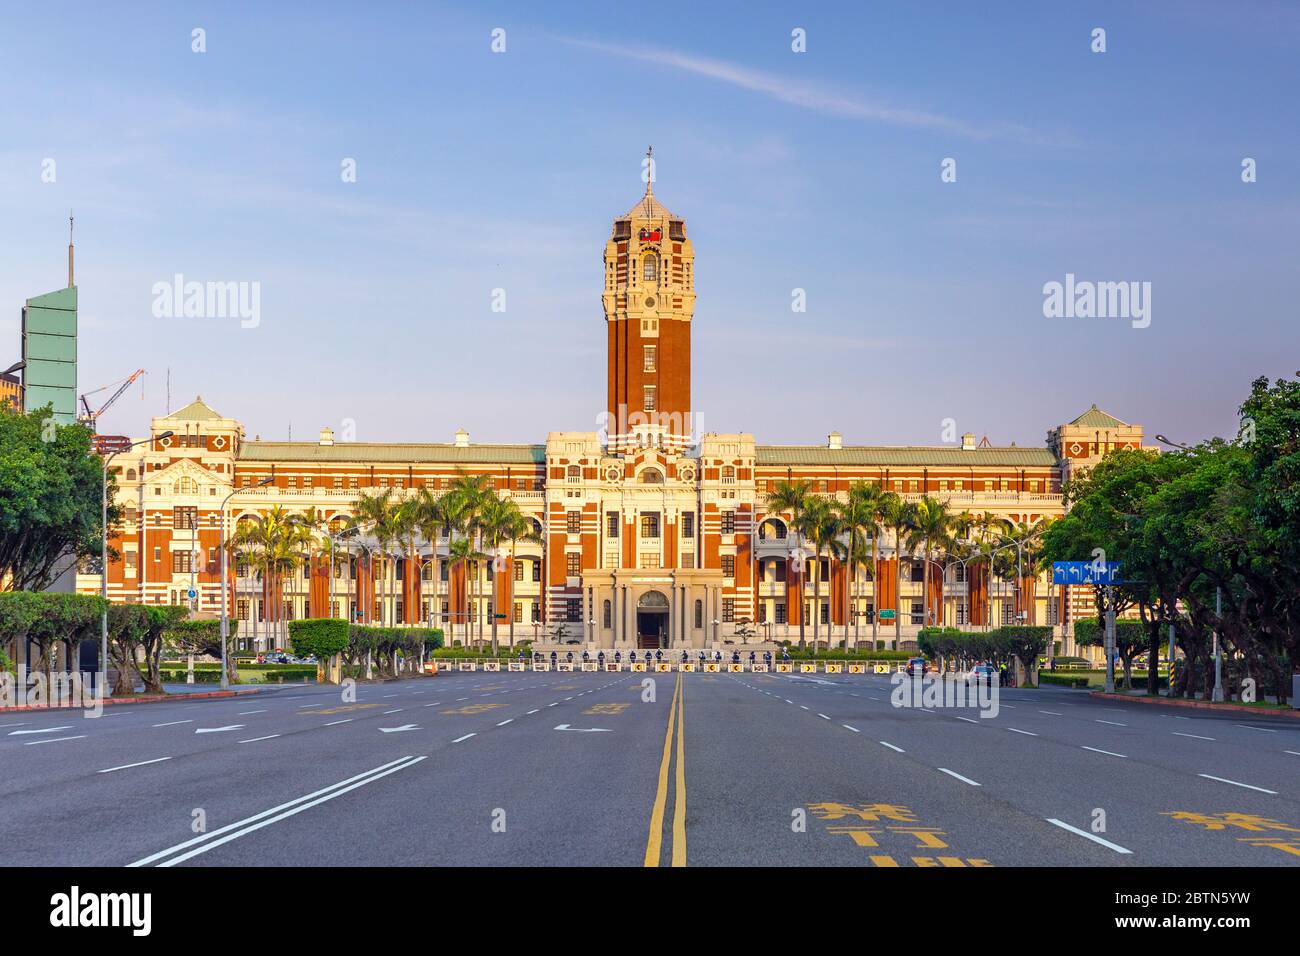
(659, 769)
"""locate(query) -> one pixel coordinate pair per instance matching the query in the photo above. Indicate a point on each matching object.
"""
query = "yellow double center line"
(676, 721)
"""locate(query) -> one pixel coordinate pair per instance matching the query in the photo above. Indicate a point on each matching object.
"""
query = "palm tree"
(518, 528)
(823, 528)
(376, 513)
(791, 497)
(885, 504)
(858, 516)
(472, 492)
(462, 552)
(497, 517)
(431, 519)
(931, 524)
(897, 516)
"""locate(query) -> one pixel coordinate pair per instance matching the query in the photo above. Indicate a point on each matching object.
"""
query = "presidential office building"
(649, 535)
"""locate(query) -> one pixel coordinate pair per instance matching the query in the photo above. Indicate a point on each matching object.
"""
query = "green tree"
(50, 491)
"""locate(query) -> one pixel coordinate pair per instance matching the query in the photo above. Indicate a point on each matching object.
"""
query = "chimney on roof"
(835, 441)
(327, 436)
(968, 441)
(462, 438)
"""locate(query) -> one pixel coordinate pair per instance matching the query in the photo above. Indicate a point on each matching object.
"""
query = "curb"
(1196, 704)
(150, 699)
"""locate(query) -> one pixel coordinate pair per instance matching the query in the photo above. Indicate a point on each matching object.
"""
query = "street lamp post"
(103, 560)
(225, 620)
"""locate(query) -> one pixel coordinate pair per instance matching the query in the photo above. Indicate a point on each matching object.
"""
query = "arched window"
(652, 476)
(607, 616)
(574, 473)
(699, 613)
(651, 268)
(130, 474)
(728, 472)
(186, 486)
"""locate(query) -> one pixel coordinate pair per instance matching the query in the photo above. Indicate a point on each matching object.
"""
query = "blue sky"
(818, 171)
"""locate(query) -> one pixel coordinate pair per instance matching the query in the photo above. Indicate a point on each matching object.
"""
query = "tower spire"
(71, 281)
(650, 171)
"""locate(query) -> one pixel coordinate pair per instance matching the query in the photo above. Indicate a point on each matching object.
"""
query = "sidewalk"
(176, 692)
(1198, 704)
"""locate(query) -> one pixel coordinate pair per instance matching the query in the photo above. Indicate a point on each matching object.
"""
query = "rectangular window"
(649, 560)
(728, 565)
(918, 612)
(728, 522)
(649, 398)
(649, 355)
(157, 554)
(573, 564)
(338, 482)
(573, 610)
(537, 571)
(180, 562)
(185, 517)
(826, 613)
(650, 525)
(573, 522)
(688, 560)
(611, 524)
(780, 612)
(961, 613)
(1053, 612)
(241, 610)
(918, 571)
(728, 610)
(517, 613)
(611, 559)
(688, 524)
(519, 570)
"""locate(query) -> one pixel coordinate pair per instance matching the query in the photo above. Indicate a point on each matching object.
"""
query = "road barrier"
(495, 665)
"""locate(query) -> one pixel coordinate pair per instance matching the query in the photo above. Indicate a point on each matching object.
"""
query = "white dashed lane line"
(953, 773)
(1237, 783)
(128, 766)
(1088, 836)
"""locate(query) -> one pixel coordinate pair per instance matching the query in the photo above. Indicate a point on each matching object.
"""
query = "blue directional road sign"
(1086, 572)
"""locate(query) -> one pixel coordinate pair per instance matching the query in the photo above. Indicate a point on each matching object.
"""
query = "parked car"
(917, 662)
(981, 674)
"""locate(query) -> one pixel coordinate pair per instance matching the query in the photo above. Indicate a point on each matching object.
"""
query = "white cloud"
(805, 95)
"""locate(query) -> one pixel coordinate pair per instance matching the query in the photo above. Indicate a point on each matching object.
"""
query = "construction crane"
(91, 418)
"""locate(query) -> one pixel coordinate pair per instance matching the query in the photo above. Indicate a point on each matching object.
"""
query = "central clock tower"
(649, 299)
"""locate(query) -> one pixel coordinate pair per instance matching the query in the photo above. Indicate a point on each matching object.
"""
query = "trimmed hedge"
(319, 637)
(1062, 680)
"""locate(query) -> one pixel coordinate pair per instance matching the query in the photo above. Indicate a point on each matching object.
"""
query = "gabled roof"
(1096, 418)
(943, 456)
(196, 411)
(392, 452)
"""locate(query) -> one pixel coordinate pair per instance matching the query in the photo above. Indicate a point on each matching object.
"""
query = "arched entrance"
(652, 620)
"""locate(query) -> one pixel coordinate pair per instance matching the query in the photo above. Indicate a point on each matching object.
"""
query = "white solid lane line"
(128, 766)
(1106, 752)
(953, 773)
(293, 807)
(1236, 783)
(1197, 736)
(253, 740)
(1089, 836)
(886, 743)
